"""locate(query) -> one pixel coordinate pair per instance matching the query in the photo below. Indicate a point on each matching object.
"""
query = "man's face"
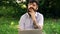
(33, 6)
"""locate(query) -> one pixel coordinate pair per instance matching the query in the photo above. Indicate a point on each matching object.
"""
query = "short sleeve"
(41, 20)
(21, 23)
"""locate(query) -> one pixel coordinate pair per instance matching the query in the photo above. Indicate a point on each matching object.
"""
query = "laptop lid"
(35, 31)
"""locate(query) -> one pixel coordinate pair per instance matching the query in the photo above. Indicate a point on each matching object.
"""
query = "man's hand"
(32, 13)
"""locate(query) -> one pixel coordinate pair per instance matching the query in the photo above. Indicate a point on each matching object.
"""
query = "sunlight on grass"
(14, 26)
(12, 23)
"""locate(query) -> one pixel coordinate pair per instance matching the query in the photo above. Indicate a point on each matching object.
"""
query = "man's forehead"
(32, 3)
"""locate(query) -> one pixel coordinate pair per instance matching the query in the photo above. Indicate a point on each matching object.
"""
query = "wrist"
(33, 18)
(35, 22)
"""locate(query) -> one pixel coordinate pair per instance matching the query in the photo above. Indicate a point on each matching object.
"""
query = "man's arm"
(21, 23)
(38, 25)
(35, 23)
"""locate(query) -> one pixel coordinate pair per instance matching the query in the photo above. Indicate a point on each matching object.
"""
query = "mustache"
(30, 8)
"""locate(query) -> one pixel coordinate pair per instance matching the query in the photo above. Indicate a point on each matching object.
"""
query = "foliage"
(49, 8)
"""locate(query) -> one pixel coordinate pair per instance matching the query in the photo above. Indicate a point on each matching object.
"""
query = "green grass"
(52, 26)
(9, 26)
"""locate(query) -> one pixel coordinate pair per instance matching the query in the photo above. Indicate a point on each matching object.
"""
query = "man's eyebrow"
(30, 3)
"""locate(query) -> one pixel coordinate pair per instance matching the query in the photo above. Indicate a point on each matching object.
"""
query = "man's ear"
(37, 8)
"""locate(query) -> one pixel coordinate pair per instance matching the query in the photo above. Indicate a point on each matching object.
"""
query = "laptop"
(34, 31)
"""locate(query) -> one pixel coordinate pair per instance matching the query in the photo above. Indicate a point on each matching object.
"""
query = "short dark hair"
(31, 1)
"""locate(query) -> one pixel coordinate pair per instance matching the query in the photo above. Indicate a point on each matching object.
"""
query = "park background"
(12, 10)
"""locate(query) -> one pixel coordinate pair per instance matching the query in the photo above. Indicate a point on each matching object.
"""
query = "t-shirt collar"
(35, 14)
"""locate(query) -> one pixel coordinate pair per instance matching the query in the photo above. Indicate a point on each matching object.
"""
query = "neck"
(29, 14)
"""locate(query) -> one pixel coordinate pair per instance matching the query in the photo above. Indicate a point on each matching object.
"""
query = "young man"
(32, 19)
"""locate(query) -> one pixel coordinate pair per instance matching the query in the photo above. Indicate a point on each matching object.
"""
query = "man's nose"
(31, 5)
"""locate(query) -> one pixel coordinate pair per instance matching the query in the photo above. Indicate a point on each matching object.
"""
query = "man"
(32, 19)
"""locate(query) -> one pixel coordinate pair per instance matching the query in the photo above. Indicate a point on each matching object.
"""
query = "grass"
(52, 26)
(9, 26)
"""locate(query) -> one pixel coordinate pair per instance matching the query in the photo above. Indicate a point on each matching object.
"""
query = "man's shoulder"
(24, 15)
(39, 14)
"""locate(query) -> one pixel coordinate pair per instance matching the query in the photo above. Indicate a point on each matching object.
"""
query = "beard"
(30, 11)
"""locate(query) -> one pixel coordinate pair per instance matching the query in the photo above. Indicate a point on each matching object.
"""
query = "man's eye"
(33, 5)
(28, 4)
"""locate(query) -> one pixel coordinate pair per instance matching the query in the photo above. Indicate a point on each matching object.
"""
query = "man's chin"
(29, 10)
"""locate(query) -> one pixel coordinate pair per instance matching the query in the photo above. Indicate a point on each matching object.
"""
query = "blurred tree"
(49, 8)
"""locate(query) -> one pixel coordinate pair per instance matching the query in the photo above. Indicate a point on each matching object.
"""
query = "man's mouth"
(31, 8)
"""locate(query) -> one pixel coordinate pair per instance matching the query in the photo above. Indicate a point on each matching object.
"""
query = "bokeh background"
(12, 10)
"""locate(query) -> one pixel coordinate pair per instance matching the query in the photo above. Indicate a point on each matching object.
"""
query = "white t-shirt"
(26, 22)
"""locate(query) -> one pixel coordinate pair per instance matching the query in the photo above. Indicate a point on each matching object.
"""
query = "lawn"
(10, 26)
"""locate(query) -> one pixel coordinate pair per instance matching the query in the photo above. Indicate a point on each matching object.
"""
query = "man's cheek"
(29, 7)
